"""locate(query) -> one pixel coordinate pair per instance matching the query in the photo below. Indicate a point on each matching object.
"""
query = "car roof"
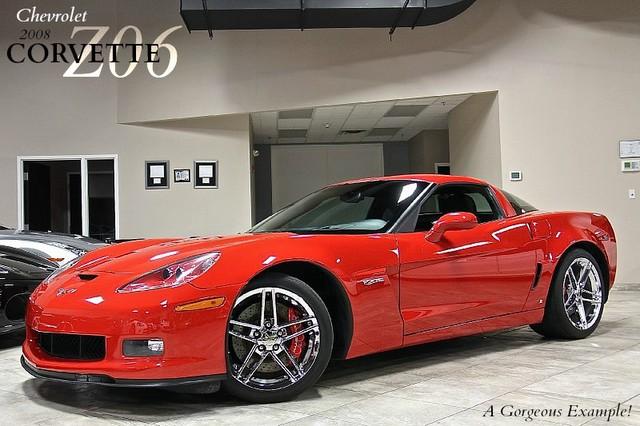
(433, 178)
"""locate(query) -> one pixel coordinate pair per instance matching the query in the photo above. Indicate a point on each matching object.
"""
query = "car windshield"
(364, 207)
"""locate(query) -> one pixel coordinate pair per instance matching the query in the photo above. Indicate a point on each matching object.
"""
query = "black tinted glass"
(474, 199)
(518, 204)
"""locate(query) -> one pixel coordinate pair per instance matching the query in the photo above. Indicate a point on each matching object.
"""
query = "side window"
(474, 199)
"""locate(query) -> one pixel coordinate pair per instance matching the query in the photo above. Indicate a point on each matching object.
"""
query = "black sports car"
(20, 273)
(53, 246)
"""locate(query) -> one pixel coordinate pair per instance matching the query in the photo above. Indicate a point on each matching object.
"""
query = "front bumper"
(194, 341)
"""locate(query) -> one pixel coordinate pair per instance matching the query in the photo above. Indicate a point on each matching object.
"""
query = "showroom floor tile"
(445, 383)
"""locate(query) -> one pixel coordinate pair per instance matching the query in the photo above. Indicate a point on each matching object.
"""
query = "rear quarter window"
(518, 204)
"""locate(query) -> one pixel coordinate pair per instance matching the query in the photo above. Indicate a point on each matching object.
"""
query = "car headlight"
(173, 275)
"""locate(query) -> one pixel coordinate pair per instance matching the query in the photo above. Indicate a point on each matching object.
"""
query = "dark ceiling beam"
(217, 15)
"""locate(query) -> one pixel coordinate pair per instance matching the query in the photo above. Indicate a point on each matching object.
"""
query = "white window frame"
(84, 184)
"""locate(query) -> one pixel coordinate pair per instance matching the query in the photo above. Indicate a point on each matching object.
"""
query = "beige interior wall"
(474, 138)
(42, 113)
(427, 148)
(566, 73)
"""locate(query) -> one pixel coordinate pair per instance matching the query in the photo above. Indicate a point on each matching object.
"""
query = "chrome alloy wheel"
(582, 293)
(274, 338)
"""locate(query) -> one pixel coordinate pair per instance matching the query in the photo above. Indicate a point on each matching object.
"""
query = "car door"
(469, 274)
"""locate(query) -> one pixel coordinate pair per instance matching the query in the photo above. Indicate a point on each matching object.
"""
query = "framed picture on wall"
(181, 175)
(205, 174)
(157, 174)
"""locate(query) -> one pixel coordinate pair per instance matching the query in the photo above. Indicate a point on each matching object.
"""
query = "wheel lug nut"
(276, 347)
(262, 347)
(256, 334)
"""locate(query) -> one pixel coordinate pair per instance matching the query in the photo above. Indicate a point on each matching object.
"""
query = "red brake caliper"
(297, 344)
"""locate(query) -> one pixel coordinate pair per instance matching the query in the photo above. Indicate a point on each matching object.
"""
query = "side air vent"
(536, 277)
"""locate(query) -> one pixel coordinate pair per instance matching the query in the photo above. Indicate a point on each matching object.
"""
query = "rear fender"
(567, 231)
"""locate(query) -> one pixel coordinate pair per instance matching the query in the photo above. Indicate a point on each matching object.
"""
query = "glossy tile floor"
(453, 382)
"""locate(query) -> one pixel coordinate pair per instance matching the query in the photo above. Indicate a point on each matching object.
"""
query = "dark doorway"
(51, 201)
(54, 199)
(102, 216)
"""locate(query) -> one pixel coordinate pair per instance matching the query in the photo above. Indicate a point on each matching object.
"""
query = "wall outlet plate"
(630, 165)
(515, 175)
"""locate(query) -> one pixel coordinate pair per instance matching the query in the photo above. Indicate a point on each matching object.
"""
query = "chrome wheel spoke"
(284, 368)
(242, 336)
(255, 367)
(263, 306)
(246, 360)
(581, 313)
(296, 322)
(244, 324)
(300, 333)
(569, 302)
(582, 278)
(573, 281)
(295, 363)
(274, 308)
(592, 301)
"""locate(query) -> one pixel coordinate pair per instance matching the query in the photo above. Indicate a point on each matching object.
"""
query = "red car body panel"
(496, 275)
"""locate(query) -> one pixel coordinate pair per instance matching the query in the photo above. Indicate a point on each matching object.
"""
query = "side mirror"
(451, 222)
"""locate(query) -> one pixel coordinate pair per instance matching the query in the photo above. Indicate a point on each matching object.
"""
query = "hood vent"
(87, 277)
(213, 15)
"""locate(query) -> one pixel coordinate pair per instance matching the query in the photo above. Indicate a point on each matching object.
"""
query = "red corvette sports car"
(353, 269)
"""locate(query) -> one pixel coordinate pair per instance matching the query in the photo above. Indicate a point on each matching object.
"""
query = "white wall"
(298, 170)
(428, 148)
(474, 138)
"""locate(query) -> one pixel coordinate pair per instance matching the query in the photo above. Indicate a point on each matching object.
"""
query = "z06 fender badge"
(372, 281)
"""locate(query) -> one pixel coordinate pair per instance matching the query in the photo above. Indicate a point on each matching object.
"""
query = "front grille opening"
(72, 346)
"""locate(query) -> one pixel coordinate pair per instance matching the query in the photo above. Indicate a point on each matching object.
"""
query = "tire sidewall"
(302, 289)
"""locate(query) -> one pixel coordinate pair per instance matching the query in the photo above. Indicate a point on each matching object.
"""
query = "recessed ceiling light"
(292, 133)
(405, 110)
(352, 132)
(296, 113)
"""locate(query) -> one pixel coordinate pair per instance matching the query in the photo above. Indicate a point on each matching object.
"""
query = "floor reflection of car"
(20, 273)
(55, 247)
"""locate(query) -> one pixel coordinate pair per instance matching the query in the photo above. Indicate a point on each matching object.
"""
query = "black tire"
(556, 322)
(277, 280)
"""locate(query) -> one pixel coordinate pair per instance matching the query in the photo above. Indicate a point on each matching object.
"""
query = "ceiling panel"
(406, 118)
(294, 123)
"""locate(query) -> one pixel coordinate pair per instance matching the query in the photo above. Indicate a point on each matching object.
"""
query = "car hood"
(139, 258)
